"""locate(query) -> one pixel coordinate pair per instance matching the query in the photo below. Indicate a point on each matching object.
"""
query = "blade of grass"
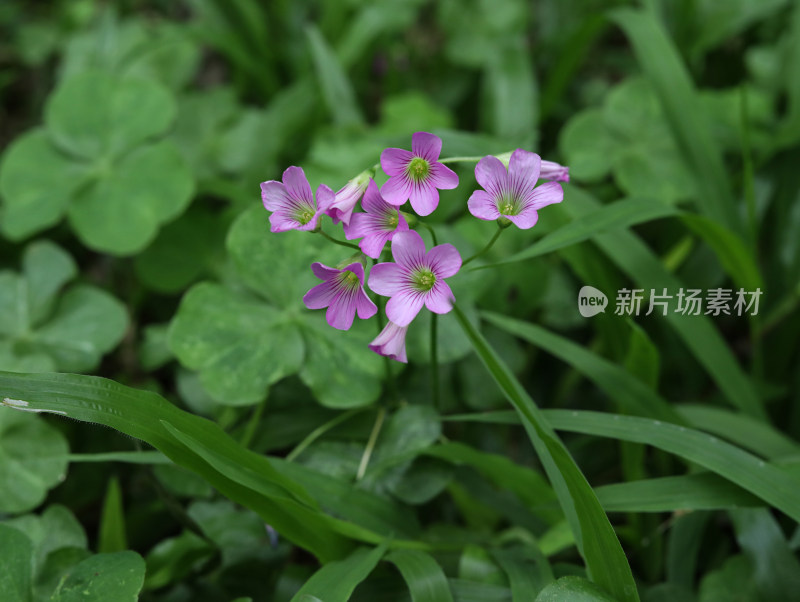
(425, 579)
(112, 536)
(336, 581)
(636, 259)
(661, 63)
(596, 539)
(773, 484)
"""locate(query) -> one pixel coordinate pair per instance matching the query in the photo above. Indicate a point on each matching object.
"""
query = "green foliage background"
(269, 457)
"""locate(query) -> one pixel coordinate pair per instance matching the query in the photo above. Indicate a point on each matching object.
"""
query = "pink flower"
(554, 172)
(291, 202)
(342, 292)
(416, 279)
(342, 207)
(391, 342)
(377, 226)
(511, 194)
(416, 175)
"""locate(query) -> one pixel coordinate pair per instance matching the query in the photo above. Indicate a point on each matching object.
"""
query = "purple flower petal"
(408, 250)
(322, 271)
(391, 342)
(341, 312)
(372, 245)
(526, 219)
(444, 260)
(386, 279)
(396, 190)
(404, 306)
(358, 270)
(491, 175)
(424, 198)
(426, 145)
(440, 299)
(523, 171)
(554, 171)
(546, 194)
(325, 197)
(373, 201)
(297, 186)
(483, 206)
(320, 296)
(394, 161)
(442, 177)
(273, 195)
(365, 307)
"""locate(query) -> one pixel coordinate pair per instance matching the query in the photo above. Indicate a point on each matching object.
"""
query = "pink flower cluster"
(416, 277)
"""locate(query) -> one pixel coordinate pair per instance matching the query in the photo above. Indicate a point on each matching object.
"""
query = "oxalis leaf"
(98, 160)
(594, 535)
(242, 344)
(41, 330)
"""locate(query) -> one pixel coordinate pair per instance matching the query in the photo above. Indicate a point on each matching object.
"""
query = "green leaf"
(94, 115)
(37, 182)
(593, 533)
(703, 491)
(621, 214)
(16, 558)
(112, 537)
(512, 93)
(46, 268)
(425, 579)
(574, 589)
(528, 572)
(661, 62)
(336, 581)
(87, 323)
(335, 87)
(122, 211)
(33, 459)
(698, 333)
(241, 475)
(56, 529)
(777, 570)
(771, 483)
(119, 576)
(616, 382)
(240, 346)
(338, 367)
(732, 583)
(588, 146)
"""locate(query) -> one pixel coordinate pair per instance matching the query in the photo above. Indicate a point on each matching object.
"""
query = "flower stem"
(486, 248)
(373, 438)
(434, 362)
(252, 424)
(391, 386)
(321, 430)
(429, 229)
(339, 242)
(460, 160)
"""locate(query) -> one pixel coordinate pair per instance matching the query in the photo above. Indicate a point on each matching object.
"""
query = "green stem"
(487, 247)
(321, 430)
(460, 160)
(429, 229)
(339, 242)
(434, 362)
(252, 424)
(391, 387)
(373, 438)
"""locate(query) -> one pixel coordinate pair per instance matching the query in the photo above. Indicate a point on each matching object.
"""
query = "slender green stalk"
(339, 242)
(391, 387)
(488, 246)
(435, 362)
(321, 430)
(252, 424)
(429, 229)
(373, 438)
(460, 160)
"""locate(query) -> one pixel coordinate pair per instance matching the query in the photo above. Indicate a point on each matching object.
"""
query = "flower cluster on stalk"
(415, 278)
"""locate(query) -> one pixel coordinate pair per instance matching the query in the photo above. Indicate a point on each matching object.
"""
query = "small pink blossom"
(416, 175)
(391, 342)
(554, 172)
(377, 226)
(416, 279)
(291, 202)
(347, 197)
(512, 194)
(342, 292)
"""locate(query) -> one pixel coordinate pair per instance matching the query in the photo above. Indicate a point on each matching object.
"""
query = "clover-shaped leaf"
(33, 459)
(242, 342)
(41, 330)
(95, 161)
(630, 137)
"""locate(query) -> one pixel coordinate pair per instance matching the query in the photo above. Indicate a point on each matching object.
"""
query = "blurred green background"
(133, 245)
